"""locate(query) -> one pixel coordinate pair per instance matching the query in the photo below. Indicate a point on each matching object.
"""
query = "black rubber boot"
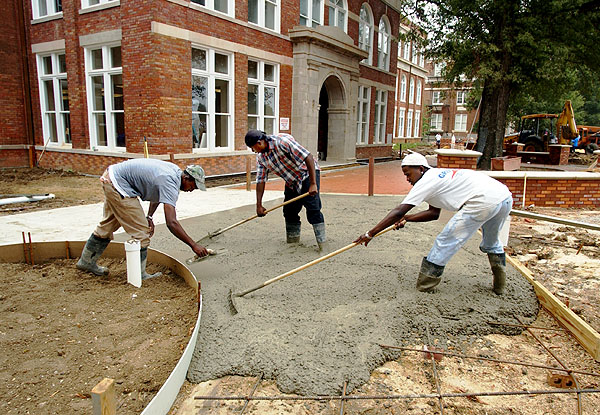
(91, 252)
(429, 276)
(498, 264)
(144, 260)
(320, 235)
(292, 231)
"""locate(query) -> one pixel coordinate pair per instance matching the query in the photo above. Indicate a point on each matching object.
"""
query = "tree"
(511, 47)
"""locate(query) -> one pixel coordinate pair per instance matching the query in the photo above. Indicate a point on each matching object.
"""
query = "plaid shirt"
(284, 157)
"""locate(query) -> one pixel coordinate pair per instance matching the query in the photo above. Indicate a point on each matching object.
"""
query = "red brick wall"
(554, 192)
(14, 158)
(456, 162)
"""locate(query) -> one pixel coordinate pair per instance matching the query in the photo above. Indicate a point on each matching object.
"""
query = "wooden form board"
(583, 332)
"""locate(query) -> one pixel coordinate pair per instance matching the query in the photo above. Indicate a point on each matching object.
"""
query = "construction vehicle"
(589, 138)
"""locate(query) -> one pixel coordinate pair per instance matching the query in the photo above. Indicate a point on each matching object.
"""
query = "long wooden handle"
(256, 216)
(310, 264)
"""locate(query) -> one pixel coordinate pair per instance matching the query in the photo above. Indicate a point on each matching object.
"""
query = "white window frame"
(401, 121)
(367, 32)
(461, 97)
(262, 84)
(109, 111)
(337, 9)
(362, 125)
(415, 55)
(419, 91)
(409, 123)
(85, 4)
(438, 68)
(52, 7)
(407, 51)
(460, 123)
(436, 98)
(411, 91)
(383, 44)
(210, 4)
(61, 117)
(310, 16)
(212, 75)
(403, 88)
(436, 121)
(380, 116)
(261, 6)
(421, 60)
(416, 123)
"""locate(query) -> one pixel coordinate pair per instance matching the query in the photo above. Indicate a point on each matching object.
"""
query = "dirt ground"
(62, 331)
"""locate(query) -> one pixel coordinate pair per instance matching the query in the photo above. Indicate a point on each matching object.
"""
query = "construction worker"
(151, 180)
(282, 155)
(479, 202)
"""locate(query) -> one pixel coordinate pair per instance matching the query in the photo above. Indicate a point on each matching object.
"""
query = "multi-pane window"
(338, 15)
(409, 120)
(383, 45)
(417, 122)
(436, 122)
(42, 8)
(263, 80)
(403, 89)
(264, 13)
(380, 115)
(362, 118)
(90, 3)
(460, 122)
(311, 12)
(421, 60)
(212, 99)
(461, 97)
(54, 98)
(401, 117)
(407, 50)
(106, 113)
(436, 97)
(365, 32)
(438, 68)
(416, 53)
(223, 6)
(411, 91)
(419, 89)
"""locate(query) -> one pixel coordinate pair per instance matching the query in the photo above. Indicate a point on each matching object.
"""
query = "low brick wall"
(552, 189)
(14, 157)
(457, 159)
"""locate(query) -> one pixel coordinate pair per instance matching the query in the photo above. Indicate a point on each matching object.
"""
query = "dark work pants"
(312, 204)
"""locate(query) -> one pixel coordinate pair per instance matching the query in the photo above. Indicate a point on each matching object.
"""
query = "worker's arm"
(395, 215)
(151, 209)
(260, 190)
(312, 175)
(177, 230)
(430, 214)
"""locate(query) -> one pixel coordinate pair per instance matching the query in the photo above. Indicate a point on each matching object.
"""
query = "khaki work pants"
(122, 211)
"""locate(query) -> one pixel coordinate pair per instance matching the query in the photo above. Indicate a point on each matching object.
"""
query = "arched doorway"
(333, 117)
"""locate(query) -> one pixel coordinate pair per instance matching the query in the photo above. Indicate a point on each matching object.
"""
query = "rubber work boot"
(143, 261)
(320, 235)
(429, 276)
(91, 252)
(292, 231)
(498, 263)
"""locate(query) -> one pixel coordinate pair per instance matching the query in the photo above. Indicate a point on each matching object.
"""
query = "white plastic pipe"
(25, 198)
(134, 266)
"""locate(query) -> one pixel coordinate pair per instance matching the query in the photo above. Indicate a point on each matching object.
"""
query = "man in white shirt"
(479, 202)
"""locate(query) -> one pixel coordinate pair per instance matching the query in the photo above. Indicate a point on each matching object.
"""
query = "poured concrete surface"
(322, 326)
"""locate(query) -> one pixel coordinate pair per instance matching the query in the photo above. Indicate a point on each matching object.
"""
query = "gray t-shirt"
(149, 179)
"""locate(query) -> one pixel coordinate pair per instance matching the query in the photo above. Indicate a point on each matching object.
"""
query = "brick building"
(446, 106)
(85, 81)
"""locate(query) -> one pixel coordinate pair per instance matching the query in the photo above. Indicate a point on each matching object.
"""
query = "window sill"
(48, 18)
(102, 6)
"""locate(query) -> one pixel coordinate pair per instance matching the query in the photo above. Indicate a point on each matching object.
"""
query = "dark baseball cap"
(254, 136)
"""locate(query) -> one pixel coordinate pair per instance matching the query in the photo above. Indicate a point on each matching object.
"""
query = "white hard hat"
(415, 159)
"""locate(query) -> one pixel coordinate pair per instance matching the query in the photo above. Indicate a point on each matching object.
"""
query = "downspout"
(25, 85)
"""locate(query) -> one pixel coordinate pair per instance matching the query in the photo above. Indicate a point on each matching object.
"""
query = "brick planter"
(506, 163)
(457, 159)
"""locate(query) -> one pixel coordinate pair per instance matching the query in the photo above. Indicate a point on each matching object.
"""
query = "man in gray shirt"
(150, 180)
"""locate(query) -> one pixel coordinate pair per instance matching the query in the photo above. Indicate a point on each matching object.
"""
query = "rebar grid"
(435, 373)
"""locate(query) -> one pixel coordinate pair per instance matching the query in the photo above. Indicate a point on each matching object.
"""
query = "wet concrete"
(322, 326)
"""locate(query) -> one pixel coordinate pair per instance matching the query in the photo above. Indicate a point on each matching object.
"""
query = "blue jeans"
(463, 225)
(312, 204)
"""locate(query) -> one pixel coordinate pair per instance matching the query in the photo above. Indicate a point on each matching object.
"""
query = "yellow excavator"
(536, 130)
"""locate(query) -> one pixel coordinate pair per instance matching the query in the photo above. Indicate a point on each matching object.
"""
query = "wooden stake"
(30, 248)
(371, 175)
(24, 249)
(103, 398)
(67, 249)
(248, 174)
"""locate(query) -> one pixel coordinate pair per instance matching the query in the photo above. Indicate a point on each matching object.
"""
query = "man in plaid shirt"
(282, 155)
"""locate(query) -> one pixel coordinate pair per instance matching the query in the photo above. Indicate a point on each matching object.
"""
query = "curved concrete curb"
(44, 251)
